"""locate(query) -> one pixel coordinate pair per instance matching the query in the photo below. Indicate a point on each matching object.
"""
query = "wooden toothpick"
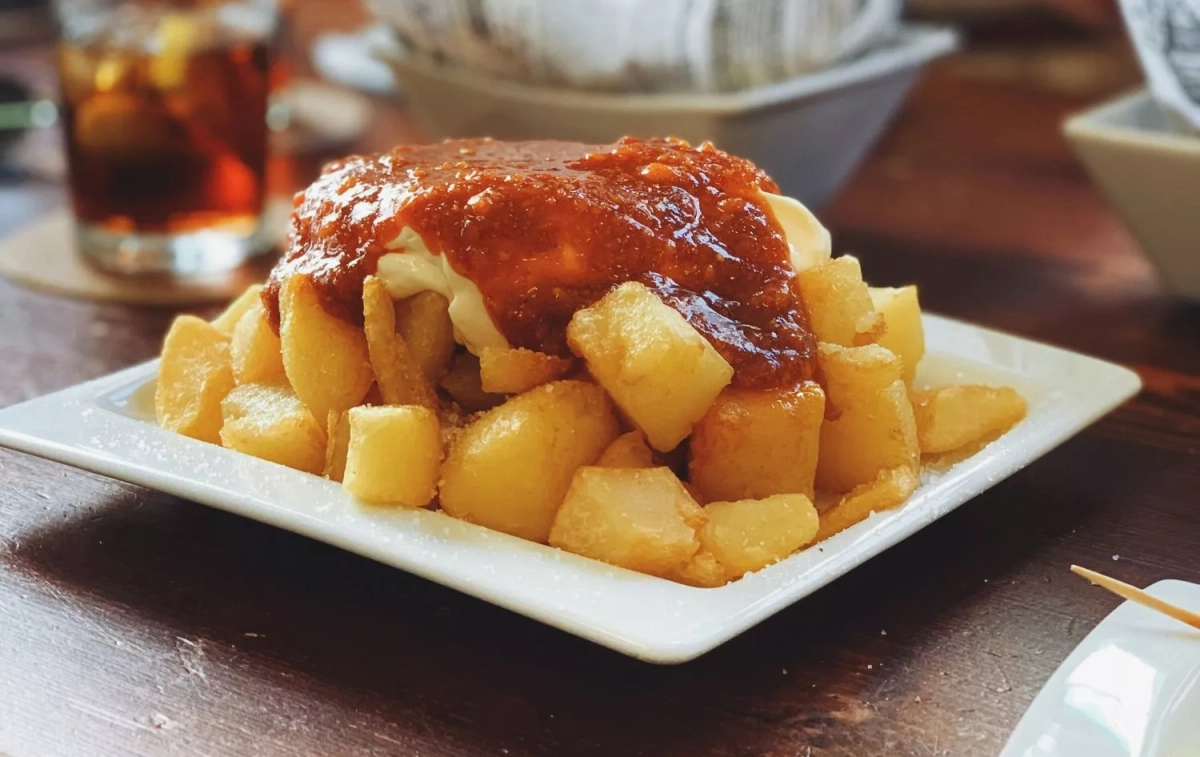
(1134, 594)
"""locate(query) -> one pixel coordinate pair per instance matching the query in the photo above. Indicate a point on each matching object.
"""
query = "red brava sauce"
(546, 228)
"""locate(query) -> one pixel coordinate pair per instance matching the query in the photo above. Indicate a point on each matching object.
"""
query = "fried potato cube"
(658, 369)
(627, 451)
(749, 534)
(423, 321)
(638, 518)
(255, 350)
(270, 422)
(507, 371)
(394, 454)
(838, 303)
(229, 317)
(702, 571)
(465, 385)
(324, 357)
(752, 444)
(872, 426)
(194, 375)
(511, 467)
(398, 375)
(951, 417)
(337, 444)
(904, 334)
(891, 488)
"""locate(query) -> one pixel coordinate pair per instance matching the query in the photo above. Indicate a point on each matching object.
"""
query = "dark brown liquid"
(166, 146)
(547, 228)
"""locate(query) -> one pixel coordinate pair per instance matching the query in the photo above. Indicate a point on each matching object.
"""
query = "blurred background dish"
(1150, 172)
(353, 58)
(808, 132)
(641, 45)
(319, 117)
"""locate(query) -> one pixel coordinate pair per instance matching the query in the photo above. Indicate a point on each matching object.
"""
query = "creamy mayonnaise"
(810, 241)
(409, 267)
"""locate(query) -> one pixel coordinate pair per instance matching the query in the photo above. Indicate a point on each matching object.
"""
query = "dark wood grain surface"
(133, 623)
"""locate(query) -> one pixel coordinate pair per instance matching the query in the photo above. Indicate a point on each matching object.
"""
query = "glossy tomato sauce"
(546, 228)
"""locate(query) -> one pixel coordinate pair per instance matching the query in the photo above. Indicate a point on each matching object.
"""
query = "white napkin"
(1166, 34)
(641, 45)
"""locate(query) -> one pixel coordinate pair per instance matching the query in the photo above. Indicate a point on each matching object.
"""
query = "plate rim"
(694, 621)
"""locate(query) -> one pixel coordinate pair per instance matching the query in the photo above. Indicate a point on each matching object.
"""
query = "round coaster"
(41, 255)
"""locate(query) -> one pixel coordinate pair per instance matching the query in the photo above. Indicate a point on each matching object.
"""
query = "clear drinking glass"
(164, 111)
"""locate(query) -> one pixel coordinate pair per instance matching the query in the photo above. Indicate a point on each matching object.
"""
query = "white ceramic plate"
(107, 426)
(1130, 689)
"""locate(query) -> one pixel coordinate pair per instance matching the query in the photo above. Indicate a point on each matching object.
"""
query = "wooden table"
(136, 623)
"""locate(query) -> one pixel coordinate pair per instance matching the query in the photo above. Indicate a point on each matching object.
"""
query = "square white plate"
(107, 426)
(1130, 689)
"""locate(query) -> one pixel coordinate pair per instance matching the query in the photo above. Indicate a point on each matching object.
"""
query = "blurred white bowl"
(1150, 172)
(808, 133)
(641, 45)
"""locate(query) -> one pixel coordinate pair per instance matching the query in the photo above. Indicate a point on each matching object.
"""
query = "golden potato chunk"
(871, 426)
(638, 518)
(838, 303)
(464, 384)
(627, 451)
(507, 371)
(750, 534)
(658, 369)
(232, 314)
(752, 444)
(325, 358)
(337, 444)
(951, 417)
(904, 334)
(511, 467)
(423, 322)
(194, 375)
(399, 377)
(891, 488)
(393, 455)
(270, 422)
(255, 351)
(702, 571)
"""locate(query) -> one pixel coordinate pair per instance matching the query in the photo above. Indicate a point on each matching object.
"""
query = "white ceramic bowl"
(1150, 172)
(808, 133)
(641, 45)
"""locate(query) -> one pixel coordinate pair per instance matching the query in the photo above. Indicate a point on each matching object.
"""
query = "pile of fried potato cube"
(636, 452)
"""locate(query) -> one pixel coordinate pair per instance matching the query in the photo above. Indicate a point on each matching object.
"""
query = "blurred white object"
(352, 59)
(319, 117)
(1151, 175)
(641, 45)
(1166, 34)
(808, 132)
